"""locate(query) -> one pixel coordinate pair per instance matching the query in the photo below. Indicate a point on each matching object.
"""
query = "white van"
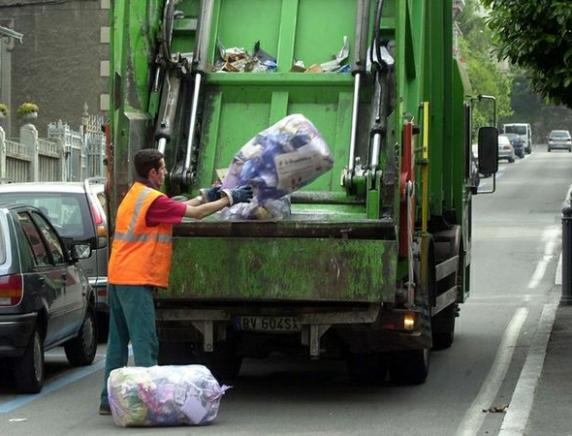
(523, 130)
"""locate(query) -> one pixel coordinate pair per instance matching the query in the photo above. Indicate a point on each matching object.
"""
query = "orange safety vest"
(140, 255)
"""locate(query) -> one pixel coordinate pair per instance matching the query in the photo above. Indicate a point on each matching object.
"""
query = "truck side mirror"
(488, 150)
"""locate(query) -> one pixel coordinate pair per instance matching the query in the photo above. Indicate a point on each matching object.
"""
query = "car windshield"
(559, 135)
(503, 140)
(67, 212)
(520, 130)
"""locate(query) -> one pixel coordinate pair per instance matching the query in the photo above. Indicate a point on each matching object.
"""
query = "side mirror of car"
(488, 150)
(80, 251)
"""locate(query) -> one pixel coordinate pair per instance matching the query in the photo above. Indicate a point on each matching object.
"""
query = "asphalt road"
(516, 246)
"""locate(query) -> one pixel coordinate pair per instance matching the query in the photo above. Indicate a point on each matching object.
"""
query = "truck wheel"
(80, 351)
(410, 367)
(443, 328)
(29, 369)
(366, 368)
(224, 362)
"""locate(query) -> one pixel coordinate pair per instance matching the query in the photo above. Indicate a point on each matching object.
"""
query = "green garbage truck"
(374, 260)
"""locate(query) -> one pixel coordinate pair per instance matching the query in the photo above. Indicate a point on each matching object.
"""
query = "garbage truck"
(374, 259)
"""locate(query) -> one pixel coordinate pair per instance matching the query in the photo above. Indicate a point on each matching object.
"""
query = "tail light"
(100, 227)
(11, 289)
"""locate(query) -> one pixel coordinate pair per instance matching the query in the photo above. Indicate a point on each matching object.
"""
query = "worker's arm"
(202, 210)
(197, 201)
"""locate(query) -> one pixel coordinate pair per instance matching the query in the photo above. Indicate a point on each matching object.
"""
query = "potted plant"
(3, 110)
(28, 111)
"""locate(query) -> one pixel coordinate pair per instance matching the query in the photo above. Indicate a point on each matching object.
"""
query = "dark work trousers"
(131, 318)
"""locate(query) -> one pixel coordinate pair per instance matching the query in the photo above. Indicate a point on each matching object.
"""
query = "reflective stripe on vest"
(130, 235)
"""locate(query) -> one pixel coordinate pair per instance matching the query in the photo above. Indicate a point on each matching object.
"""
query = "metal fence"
(66, 154)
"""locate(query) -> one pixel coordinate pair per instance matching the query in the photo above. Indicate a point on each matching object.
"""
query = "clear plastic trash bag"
(163, 395)
(278, 161)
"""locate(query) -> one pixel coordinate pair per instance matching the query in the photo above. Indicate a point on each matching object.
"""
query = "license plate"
(268, 323)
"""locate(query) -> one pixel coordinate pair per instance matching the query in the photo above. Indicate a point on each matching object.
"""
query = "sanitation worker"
(141, 259)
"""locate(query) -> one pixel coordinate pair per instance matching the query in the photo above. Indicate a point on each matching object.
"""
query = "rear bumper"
(15, 333)
(559, 146)
(99, 285)
(506, 155)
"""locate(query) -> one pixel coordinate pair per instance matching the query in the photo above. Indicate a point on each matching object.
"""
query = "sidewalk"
(552, 406)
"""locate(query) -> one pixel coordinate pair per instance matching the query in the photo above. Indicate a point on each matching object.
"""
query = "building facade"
(62, 62)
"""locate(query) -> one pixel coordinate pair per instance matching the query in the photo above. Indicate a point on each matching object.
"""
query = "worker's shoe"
(104, 409)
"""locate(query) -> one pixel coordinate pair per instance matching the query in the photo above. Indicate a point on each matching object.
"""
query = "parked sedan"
(45, 298)
(506, 150)
(560, 139)
(77, 211)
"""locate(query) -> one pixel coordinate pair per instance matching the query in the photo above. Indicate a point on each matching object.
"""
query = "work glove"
(242, 194)
(210, 194)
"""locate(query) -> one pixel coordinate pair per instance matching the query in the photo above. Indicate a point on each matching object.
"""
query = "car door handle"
(41, 279)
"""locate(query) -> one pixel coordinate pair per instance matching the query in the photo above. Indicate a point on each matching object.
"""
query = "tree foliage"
(537, 35)
(484, 71)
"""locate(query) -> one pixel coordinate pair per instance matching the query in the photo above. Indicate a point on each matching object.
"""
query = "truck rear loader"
(374, 260)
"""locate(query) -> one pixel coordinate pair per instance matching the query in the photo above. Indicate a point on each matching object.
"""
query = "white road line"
(516, 418)
(567, 198)
(558, 274)
(550, 236)
(474, 417)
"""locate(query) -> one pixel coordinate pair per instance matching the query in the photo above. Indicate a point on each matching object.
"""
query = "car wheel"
(29, 368)
(80, 351)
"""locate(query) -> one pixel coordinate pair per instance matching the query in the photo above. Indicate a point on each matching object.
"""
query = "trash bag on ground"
(278, 161)
(163, 395)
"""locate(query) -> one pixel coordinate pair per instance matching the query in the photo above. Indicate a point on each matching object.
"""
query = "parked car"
(78, 212)
(506, 150)
(517, 143)
(45, 298)
(559, 139)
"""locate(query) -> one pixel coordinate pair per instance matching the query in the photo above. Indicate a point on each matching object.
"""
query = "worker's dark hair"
(147, 159)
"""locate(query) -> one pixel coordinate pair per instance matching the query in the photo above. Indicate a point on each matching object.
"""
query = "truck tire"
(410, 367)
(367, 368)
(29, 368)
(443, 328)
(175, 353)
(224, 362)
(81, 350)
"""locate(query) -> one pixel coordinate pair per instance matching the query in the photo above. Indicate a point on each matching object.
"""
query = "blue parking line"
(56, 384)
(52, 386)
